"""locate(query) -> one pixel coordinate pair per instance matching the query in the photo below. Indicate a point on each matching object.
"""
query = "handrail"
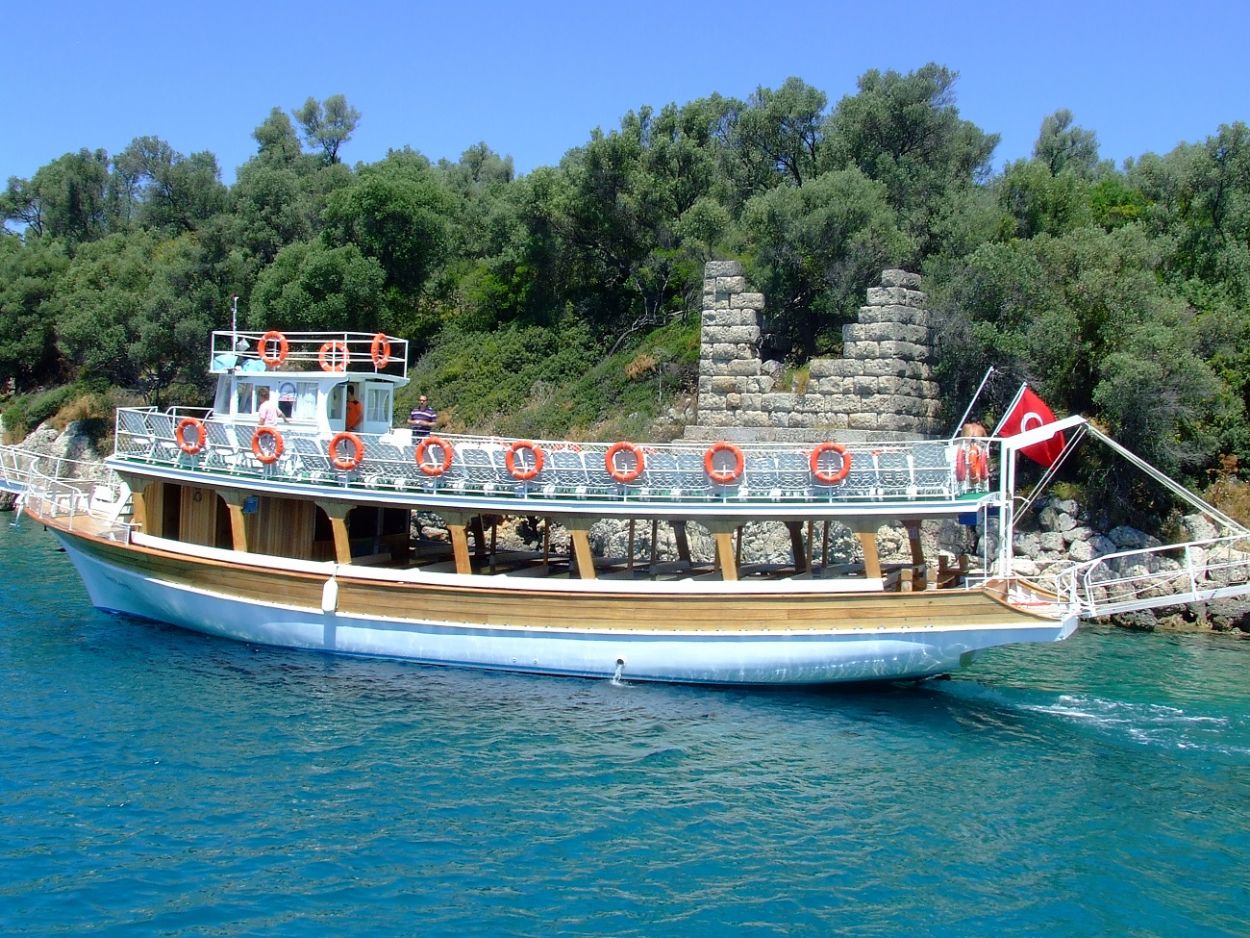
(1166, 575)
(352, 352)
(915, 470)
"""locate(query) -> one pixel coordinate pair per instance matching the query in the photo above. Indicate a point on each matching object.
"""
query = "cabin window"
(378, 404)
(244, 397)
(305, 400)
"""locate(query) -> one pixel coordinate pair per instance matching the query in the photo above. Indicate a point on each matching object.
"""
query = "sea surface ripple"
(160, 782)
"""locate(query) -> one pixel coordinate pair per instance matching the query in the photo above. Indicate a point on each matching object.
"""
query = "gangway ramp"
(1154, 577)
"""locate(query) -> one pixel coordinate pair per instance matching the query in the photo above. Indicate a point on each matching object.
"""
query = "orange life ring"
(723, 476)
(824, 476)
(380, 350)
(267, 456)
(521, 474)
(961, 464)
(201, 436)
(624, 476)
(433, 469)
(273, 335)
(333, 356)
(346, 463)
(978, 464)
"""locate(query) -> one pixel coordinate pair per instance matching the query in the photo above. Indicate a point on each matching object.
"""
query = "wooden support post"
(723, 536)
(630, 562)
(239, 533)
(479, 536)
(581, 552)
(655, 533)
(866, 532)
(337, 512)
(824, 546)
(683, 541)
(725, 555)
(797, 548)
(458, 530)
(917, 554)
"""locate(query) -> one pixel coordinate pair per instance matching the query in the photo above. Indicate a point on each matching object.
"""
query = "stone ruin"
(882, 388)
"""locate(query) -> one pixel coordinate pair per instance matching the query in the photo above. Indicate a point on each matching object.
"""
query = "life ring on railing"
(978, 463)
(273, 335)
(728, 475)
(333, 356)
(824, 476)
(438, 468)
(380, 350)
(521, 473)
(277, 444)
(348, 462)
(972, 463)
(624, 476)
(201, 435)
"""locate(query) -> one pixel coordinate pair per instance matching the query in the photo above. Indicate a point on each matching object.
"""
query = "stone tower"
(881, 389)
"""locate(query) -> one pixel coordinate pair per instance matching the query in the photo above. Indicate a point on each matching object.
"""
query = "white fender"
(330, 595)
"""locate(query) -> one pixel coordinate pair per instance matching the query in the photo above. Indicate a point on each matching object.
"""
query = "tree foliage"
(1120, 292)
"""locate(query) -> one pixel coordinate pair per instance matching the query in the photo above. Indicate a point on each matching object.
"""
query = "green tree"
(327, 125)
(160, 188)
(29, 275)
(312, 287)
(1061, 145)
(905, 132)
(396, 212)
(68, 198)
(819, 245)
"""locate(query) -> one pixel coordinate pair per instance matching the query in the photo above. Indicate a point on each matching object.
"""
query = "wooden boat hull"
(766, 634)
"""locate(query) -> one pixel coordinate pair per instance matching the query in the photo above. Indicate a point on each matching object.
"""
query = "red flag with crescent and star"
(1028, 413)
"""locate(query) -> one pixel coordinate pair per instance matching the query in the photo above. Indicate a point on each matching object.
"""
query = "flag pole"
(1010, 407)
(972, 403)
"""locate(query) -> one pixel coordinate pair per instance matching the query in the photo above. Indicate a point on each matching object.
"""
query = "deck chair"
(313, 461)
(134, 436)
(164, 437)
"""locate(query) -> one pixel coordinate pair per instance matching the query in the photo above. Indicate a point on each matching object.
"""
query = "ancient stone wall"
(881, 388)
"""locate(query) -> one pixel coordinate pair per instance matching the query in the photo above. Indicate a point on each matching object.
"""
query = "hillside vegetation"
(564, 301)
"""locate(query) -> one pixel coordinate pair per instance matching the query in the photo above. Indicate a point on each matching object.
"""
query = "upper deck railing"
(347, 352)
(450, 463)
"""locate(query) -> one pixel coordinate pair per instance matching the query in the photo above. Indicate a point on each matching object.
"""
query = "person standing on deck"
(268, 413)
(422, 418)
(355, 410)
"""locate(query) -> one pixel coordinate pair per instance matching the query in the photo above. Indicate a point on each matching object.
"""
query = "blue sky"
(533, 79)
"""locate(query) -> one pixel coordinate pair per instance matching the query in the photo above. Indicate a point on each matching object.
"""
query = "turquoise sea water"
(153, 781)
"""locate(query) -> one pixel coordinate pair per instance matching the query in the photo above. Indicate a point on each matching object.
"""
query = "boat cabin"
(312, 375)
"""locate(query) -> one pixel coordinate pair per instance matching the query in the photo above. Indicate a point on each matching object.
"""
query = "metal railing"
(549, 468)
(1153, 577)
(97, 505)
(354, 352)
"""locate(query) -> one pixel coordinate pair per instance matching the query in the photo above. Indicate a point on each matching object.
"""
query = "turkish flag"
(1029, 413)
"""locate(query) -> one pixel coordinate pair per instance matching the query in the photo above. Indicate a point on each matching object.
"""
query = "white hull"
(738, 656)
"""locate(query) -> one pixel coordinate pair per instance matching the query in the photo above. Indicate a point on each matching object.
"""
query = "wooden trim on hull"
(479, 604)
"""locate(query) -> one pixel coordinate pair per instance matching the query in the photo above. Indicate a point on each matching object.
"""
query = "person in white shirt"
(268, 414)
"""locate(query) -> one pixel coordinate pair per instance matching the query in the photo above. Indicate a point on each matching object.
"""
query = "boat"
(301, 535)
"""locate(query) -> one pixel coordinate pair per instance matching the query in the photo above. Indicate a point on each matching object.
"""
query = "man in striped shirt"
(422, 418)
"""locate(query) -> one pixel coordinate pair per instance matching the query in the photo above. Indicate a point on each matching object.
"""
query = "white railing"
(553, 468)
(98, 505)
(1152, 577)
(354, 352)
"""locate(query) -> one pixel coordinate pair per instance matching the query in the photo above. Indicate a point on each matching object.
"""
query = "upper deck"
(359, 354)
(905, 479)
